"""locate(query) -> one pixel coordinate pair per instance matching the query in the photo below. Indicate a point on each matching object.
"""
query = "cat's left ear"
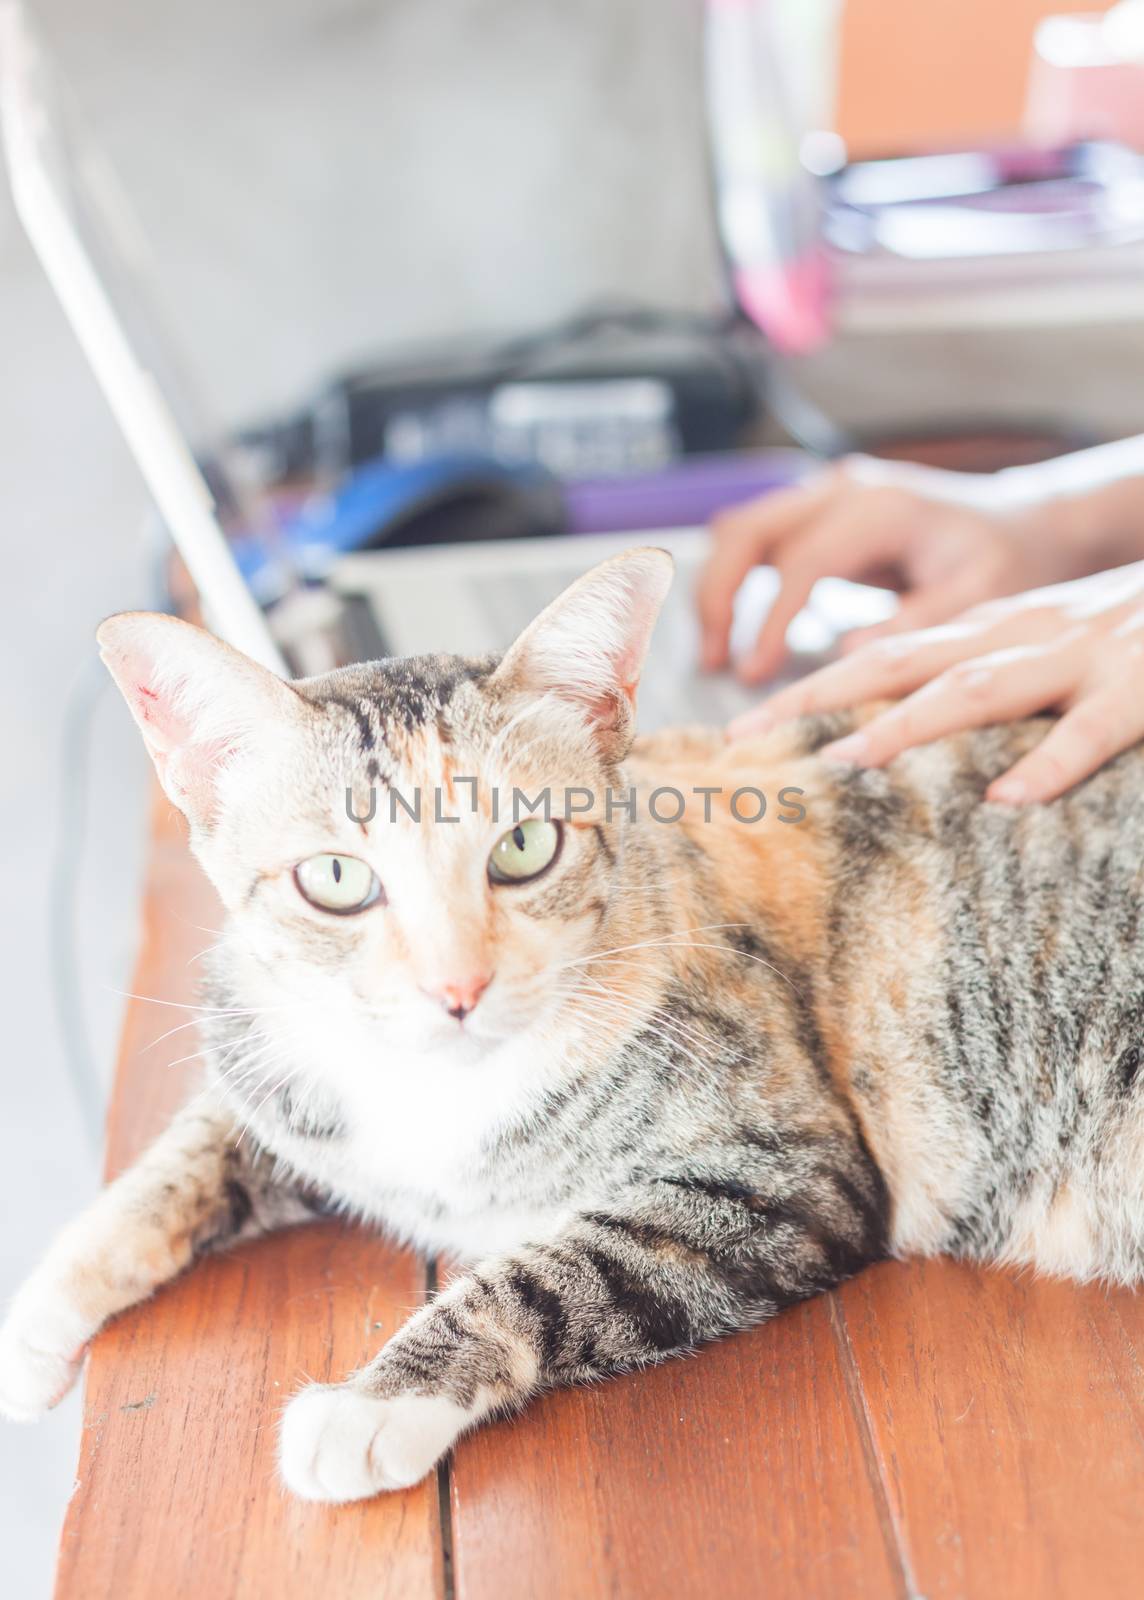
(588, 647)
(204, 709)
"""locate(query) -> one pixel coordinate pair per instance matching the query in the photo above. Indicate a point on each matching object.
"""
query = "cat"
(659, 1080)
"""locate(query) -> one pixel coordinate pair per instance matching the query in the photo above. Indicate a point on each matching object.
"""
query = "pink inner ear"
(147, 707)
(163, 726)
(605, 709)
(187, 769)
(629, 661)
(191, 777)
(156, 714)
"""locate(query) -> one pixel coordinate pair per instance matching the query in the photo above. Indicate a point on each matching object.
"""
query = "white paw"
(340, 1444)
(41, 1352)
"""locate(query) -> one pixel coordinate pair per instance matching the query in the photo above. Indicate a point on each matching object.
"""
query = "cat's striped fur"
(740, 1062)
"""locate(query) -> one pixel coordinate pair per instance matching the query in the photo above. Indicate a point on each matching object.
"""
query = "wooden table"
(929, 1430)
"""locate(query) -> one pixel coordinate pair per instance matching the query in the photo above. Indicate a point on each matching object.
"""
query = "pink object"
(769, 203)
(1083, 84)
(790, 300)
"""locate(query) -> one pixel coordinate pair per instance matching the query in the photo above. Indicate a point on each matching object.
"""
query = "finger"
(885, 670)
(972, 694)
(741, 539)
(770, 648)
(923, 609)
(1098, 728)
(847, 539)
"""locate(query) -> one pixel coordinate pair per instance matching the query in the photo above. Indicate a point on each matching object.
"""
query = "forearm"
(692, 1258)
(200, 1186)
(1090, 504)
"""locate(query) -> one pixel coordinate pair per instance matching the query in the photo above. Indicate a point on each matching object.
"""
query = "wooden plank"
(1008, 1418)
(176, 1488)
(740, 1473)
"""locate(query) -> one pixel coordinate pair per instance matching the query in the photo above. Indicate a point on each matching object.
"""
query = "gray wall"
(320, 177)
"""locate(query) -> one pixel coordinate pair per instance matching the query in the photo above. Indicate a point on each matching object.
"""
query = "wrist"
(1057, 539)
(1070, 534)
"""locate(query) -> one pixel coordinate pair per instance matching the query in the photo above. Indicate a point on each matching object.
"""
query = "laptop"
(468, 598)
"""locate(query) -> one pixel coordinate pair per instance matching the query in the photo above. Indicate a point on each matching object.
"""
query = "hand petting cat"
(1074, 648)
(965, 649)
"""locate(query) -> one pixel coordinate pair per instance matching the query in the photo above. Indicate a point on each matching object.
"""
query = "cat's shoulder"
(802, 736)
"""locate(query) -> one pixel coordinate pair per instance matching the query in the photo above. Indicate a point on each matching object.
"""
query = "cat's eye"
(524, 851)
(341, 884)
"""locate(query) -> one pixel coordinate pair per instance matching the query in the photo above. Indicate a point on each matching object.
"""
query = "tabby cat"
(660, 1079)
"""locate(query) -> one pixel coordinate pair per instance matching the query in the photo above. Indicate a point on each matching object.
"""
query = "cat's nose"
(459, 995)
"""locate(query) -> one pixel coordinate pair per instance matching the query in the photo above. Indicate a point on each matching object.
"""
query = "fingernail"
(852, 751)
(1010, 791)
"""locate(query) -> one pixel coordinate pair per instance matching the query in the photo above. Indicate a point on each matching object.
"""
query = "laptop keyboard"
(470, 600)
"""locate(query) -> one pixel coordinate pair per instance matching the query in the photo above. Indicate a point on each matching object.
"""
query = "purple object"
(681, 495)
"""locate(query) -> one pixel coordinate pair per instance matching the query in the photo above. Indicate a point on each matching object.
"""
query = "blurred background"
(325, 186)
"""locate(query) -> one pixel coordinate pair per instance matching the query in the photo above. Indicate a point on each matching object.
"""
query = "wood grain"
(1008, 1417)
(740, 1473)
(176, 1490)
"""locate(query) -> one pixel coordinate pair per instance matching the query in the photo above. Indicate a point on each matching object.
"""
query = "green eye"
(524, 851)
(337, 883)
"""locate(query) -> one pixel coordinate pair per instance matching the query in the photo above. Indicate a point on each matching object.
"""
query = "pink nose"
(459, 995)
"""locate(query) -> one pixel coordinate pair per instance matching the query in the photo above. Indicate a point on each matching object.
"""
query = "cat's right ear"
(202, 707)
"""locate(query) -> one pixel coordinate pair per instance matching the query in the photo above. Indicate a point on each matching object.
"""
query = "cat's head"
(443, 931)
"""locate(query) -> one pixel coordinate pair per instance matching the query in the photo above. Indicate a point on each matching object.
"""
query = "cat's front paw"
(338, 1443)
(40, 1358)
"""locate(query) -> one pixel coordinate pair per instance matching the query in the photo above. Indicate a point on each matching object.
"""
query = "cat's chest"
(429, 1152)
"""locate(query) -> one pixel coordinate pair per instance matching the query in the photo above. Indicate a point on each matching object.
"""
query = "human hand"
(947, 540)
(1077, 648)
